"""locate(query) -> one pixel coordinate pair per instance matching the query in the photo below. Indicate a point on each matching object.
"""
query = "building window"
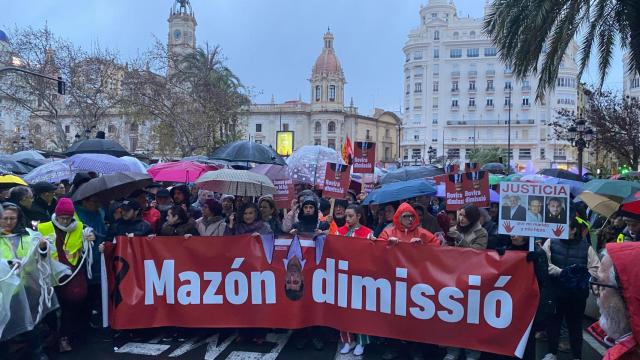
(285, 127)
(317, 141)
(318, 127)
(524, 154)
(436, 69)
(490, 85)
(566, 82)
(258, 141)
(417, 55)
(506, 101)
(318, 93)
(408, 89)
(368, 136)
(507, 85)
(559, 154)
(525, 101)
(37, 129)
(387, 133)
(490, 51)
(453, 153)
(634, 83)
(472, 85)
(436, 35)
(542, 154)
(489, 101)
(434, 15)
(435, 103)
(111, 129)
(133, 143)
(436, 53)
(454, 102)
(454, 85)
(133, 128)
(258, 128)
(456, 35)
(387, 153)
(472, 101)
(67, 129)
(331, 127)
(455, 53)
(435, 86)
(434, 135)
(331, 143)
(472, 34)
(473, 52)
(417, 87)
(434, 119)
(332, 93)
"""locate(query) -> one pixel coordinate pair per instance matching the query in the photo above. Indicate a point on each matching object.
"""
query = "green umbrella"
(495, 179)
(612, 188)
(513, 177)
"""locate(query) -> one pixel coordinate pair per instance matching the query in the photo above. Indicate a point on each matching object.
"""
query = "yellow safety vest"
(7, 252)
(72, 244)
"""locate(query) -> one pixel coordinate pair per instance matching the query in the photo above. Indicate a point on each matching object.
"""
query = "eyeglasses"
(597, 287)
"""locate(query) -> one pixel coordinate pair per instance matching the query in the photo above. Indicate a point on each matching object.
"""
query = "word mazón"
(339, 288)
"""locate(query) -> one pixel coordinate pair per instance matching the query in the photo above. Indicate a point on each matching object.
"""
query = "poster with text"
(530, 209)
(364, 157)
(284, 193)
(336, 181)
(466, 188)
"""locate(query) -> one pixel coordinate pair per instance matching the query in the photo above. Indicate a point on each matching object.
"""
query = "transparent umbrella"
(307, 165)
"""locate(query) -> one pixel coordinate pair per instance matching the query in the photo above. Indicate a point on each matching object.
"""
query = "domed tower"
(327, 79)
(182, 28)
(5, 54)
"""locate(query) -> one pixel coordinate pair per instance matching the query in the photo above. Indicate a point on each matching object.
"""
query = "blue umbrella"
(52, 172)
(575, 187)
(100, 163)
(399, 191)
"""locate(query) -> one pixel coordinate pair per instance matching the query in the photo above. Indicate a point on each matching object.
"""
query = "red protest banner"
(485, 302)
(336, 181)
(364, 157)
(284, 193)
(467, 188)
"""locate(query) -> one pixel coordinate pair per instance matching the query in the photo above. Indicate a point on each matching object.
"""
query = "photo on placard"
(513, 208)
(535, 205)
(555, 210)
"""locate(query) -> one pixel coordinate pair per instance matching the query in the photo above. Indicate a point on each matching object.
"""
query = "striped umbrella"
(100, 163)
(236, 182)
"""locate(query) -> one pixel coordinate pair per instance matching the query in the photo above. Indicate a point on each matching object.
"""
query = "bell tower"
(182, 28)
(327, 79)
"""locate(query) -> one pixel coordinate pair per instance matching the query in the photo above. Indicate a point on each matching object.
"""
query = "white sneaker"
(359, 350)
(347, 348)
(549, 357)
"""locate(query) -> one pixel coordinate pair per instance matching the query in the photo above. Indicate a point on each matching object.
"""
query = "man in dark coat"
(44, 202)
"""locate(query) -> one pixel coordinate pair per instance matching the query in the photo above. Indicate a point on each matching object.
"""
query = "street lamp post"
(432, 153)
(580, 136)
(509, 133)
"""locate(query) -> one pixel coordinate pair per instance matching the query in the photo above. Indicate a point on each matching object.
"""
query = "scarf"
(243, 228)
(340, 222)
(465, 229)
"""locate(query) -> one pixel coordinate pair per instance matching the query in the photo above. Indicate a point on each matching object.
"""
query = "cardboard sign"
(467, 188)
(285, 193)
(532, 209)
(469, 167)
(336, 181)
(364, 157)
(485, 302)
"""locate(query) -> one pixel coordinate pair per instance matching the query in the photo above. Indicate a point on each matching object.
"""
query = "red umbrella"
(179, 171)
(631, 205)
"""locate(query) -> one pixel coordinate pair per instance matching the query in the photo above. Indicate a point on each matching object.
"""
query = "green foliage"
(485, 156)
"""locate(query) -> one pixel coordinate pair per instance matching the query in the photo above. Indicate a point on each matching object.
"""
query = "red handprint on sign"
(558, 230)
(507, 227)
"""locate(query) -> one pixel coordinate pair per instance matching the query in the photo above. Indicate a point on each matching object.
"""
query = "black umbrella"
(410, 173)
(494, 168)
(32, 163)
(97, 146)
(112, 186)
(9, 164)
(248, 151)
(561, 174)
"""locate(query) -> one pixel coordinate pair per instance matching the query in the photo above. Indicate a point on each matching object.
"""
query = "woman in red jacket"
(406, 228)
(354, 216)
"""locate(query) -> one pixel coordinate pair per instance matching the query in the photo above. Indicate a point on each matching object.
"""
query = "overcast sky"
(270, 44)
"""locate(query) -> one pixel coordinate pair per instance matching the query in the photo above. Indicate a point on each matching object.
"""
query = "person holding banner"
(406, 228)
(68, 235)
(354, 218)
(338, 218)
(269, 214)
(570, 263)
(212, 221)
(248, 223)
(308, 220)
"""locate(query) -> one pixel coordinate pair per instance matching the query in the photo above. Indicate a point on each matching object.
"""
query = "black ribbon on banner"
(119, 275)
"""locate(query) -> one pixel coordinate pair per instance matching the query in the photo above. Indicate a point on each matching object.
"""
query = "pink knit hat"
(65, 207)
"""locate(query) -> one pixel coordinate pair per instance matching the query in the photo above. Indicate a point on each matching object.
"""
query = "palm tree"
(526, 31)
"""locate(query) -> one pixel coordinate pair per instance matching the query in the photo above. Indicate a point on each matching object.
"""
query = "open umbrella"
(273, 172)
(600, 203)
(27, 154)
(495, 179)
(97, 146)
(236, 182)
(179, 171)
(8, 181)
(12, 165)
(562, 174)
(52, 172)
(308, 164)
(409, 173)
(399, 191)
(619, 189)
(495, 168)
(249, 152)
(631, 206)
(112, 186)
(134, 164)
(99, 163)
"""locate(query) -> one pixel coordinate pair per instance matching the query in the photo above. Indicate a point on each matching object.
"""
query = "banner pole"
(532, 243)
(105, 291)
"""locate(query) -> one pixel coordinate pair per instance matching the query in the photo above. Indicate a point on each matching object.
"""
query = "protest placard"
(336, 181)
(532, 209)
(466, 188)
(284, 193)
(364, 157)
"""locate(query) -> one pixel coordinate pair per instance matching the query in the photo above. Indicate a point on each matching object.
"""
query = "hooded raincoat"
(397, 230)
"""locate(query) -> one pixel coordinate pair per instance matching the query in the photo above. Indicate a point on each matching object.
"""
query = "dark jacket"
(40, 211)
(184, 228)
(137, 227)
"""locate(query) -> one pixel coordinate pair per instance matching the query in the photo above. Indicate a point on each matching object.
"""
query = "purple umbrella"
(100, 163)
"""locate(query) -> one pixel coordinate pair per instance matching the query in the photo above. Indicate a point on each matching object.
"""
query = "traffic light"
(62, 86)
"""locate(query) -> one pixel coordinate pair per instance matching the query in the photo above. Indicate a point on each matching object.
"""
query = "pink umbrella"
(273, 172)
(179, 171)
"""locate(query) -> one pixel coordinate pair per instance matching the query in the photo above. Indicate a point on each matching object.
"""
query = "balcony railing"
(455, 107)
(494, 122)
(490, 73)
(490, 89)
(472, 89)
(473, 73)
(455, 74)
(455, 90)
(489, 107)
(471, 108)
(526, 106)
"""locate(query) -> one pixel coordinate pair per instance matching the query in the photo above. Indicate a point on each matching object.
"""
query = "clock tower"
(182, 28)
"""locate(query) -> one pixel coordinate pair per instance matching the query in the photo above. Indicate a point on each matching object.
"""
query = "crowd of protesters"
(562, 267)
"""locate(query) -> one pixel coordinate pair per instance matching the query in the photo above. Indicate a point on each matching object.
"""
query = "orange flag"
(347, 151)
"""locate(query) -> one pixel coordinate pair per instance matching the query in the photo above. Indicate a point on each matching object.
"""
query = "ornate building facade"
(459, 96)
